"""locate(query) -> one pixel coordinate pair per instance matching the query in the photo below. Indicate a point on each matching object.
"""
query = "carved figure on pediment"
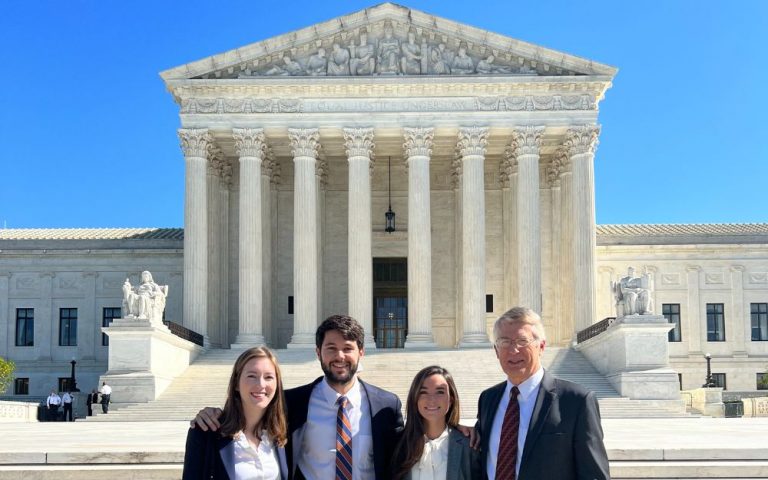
(338, 64)
(633, 294)
(526, 70)
(389, 52)
(440, 60)
(362, 61)
(410, 62)
(486, 66)
(317, 65)
(290, 68)
(462, 64)
(145, 301)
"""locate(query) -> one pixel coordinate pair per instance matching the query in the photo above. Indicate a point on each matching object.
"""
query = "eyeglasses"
(520, 343)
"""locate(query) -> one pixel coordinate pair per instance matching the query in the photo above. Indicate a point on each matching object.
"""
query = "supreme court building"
(482, 146)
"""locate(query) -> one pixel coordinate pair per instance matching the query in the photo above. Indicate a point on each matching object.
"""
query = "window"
(671, 312)
(489, 303)
(25, 327)
(21, 386)
(108, 314)
(759, 321)
(719, 380)
(67, 327)
(762, 381)
(715, 322)
(65, 384)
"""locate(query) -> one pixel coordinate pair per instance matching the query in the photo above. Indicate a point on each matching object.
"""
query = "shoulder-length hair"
(233, 417)
(411, 445)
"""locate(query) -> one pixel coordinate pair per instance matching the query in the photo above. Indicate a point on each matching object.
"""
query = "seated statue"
(633, 294)
(145, 301)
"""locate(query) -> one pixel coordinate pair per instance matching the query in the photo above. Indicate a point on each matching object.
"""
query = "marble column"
(566, 276)
(471, 145)
(269, 176)
(219, 177)
(418, 150)
(459, 305)
(359, 147)
(305, 143)
(552, 302)
(695, 321)
(196, 145)
(6, 332)
(741, 324)
(581, 142)
(250, 145)
(508, 177)
(526, 143)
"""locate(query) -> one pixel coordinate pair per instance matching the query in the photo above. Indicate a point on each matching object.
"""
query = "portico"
(492, 183)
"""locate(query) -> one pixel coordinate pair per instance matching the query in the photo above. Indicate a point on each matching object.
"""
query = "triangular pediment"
(388, 40)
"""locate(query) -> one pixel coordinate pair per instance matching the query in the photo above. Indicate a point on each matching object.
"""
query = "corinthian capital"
(507, 167)
(526, 140)
(305, 142)
(582, 139)
(472, 141)
(250, 142)
(196, 142)
(359, 142)
(418, 142)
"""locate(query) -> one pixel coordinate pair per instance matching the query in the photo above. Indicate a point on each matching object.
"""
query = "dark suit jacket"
(209, 456)
(565, 438)
(459, 458)
(386, 424)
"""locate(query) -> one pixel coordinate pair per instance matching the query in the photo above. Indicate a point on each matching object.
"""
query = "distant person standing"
(106, 393)
(52, 402)
(90, 400)
(67, 400)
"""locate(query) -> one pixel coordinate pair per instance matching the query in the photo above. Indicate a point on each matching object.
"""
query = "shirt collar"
(354, 395)
(529, 386)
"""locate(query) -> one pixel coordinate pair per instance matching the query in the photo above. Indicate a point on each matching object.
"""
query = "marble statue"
(338, 64)
(290, 67)
(462, 63)
(440, 60)
(410, 62)
(362, 61)
(486, 66)
(389, 52)
(633, 294)
(318, 63)
(145, 301)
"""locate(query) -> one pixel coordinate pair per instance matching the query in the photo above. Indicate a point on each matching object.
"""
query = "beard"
(343, 379)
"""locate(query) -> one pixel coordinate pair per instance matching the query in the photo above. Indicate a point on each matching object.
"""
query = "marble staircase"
(205, 381)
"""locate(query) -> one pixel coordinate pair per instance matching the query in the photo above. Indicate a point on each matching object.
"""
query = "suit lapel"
(488, 412)
(544, 399)
(227, 453)
(454, 456)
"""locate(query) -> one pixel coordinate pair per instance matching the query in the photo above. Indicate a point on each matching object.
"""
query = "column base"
(302, 341)
(420, 340)
(370, 342)
(475, 340)
(244, 341)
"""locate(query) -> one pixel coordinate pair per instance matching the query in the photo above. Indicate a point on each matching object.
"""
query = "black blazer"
(386, 425)
(209, 456)
(565, 438)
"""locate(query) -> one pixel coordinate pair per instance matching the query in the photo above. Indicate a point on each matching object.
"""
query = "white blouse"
(433, 464)
(255, 463)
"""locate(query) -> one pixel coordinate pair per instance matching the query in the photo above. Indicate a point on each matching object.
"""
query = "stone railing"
(18, 412)
(594, 329)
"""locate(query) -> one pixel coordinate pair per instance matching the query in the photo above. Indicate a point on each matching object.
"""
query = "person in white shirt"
(248, 444)
(106, 394)
(67, 401)
(431, 447)
(52, 402)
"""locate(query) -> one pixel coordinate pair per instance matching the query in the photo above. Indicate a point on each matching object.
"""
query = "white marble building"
(288, 144)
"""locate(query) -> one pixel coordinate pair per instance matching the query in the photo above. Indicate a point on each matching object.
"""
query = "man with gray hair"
(534, 425)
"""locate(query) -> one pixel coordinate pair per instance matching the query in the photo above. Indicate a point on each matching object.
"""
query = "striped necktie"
(343, 442)
(507, 457)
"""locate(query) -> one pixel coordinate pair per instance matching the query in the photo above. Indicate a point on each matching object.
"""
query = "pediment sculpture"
(145, 301)
(633, 294)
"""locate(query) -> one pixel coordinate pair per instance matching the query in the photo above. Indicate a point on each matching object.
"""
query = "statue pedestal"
(633, 355)
(144, 358)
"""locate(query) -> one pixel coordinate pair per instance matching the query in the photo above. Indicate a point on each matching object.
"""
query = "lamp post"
(709, 383)
(72, 380)
(390, 215)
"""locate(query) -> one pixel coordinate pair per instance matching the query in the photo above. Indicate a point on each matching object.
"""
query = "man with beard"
(338, 426)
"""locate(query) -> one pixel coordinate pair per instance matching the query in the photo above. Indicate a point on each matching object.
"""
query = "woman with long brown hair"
(249, 443)
(431, 448)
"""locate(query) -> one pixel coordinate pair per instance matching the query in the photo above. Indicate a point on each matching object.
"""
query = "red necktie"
(343, 442)
(507, 456)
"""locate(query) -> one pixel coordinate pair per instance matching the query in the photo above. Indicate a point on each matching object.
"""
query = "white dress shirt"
(53, 399)
(66, 398)
(529, 391)
(253, 463)
(317, 459)
(106, 390)
(433, 464)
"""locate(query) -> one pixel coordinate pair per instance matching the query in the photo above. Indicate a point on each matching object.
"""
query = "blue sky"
(88, 132)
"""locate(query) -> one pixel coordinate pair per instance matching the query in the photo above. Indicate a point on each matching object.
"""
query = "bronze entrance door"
(390, 302)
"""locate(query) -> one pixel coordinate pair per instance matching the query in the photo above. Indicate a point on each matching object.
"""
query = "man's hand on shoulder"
(207, 419)
(474, 438)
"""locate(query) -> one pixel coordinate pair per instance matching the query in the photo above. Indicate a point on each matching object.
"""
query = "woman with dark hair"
(431, 448)
(249, 443)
